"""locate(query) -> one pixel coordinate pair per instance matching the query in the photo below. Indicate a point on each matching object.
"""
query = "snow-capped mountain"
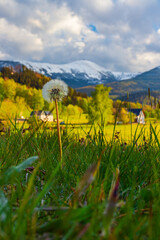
(75, 74)
(125, 75)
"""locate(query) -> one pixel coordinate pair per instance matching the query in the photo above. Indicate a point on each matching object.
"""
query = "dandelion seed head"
(54, 90)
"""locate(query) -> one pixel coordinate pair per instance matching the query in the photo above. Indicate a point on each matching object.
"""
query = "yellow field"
(125, 132)
(122, 132)
(79, 127)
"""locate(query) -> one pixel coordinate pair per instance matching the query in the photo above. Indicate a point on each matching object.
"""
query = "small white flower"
(54, 89)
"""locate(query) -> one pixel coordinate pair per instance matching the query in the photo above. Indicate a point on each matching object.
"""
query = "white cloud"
(58, 31)
(63, 28)
(101, 5)
(25, 41)
(8, 7)
(35, 23)
(147, 59)
(4, 55)
(56, 20)
(80, 46)
(135, 3)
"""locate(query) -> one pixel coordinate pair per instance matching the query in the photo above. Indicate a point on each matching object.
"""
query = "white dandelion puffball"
(54, 90)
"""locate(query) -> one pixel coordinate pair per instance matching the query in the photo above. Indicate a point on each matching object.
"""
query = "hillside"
(25, 76)
(141, 97)
(140, 83)
(76, 74)
(84, 76)
(149, 79)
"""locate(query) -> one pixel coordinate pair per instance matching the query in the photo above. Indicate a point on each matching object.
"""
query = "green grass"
(105, 189)
(79, 126)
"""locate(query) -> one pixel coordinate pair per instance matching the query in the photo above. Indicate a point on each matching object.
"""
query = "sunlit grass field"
(125, 132)
(103, 188)
(80, 128)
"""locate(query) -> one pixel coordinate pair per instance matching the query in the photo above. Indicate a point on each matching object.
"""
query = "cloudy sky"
(121, 35)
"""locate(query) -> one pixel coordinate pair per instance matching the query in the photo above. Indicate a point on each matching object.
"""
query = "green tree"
(100, 107)
(22, 109)
(124, 116)
(73, 110)
(35, 99)
(9, 88)
(1, 89)
(8, 109)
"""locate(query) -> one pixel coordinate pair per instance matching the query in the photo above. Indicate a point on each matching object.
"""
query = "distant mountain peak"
(75, 74)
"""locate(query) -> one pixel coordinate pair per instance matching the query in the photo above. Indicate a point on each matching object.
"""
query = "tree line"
(20, 93)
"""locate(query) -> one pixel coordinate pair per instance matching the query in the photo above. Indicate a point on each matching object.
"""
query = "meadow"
(106, 187)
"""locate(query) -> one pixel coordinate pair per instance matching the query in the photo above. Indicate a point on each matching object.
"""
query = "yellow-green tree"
(37, 101)
(73, 110)
(34, 99)
(100, 107)
(22, 108)
(9, 88)
(1, 89)
(124, 116)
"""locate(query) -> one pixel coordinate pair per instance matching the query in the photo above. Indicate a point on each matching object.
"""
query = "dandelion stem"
(58, 130)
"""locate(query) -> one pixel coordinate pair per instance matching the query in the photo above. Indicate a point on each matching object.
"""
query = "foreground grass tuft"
(104, 190)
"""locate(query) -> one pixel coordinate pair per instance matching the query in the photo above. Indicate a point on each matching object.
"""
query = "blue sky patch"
(93, 28)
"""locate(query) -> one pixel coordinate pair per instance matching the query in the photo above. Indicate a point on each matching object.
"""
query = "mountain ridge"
(138, 84)
(75, 74)
(84, 75)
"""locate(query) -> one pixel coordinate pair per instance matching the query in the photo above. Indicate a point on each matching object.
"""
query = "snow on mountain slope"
(75, 74)
(124, 75)
(91, 69)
